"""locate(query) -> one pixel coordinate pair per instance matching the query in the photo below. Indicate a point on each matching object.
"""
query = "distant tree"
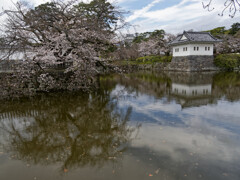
(231, 5)
(234, 28)
(104, 13)
(149, 35)
(218, 31)
(237, 35)
(229, 44)
(142, 37)
(153, 43)
(158, 34)
(146, 44)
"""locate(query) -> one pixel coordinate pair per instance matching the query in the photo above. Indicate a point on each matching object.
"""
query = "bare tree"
(232, 5)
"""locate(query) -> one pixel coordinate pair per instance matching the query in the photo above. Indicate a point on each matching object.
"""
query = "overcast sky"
(173, 16)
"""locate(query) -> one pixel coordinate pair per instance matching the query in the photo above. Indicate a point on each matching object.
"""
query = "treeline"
(230, 39)
(144, 44)
(223, 31)
(159, 34)
(154, 44)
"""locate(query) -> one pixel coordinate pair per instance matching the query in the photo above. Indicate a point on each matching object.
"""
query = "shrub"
(227, 61)
(154, 59)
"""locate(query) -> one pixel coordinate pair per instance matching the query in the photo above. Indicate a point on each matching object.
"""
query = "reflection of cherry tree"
(73, 130)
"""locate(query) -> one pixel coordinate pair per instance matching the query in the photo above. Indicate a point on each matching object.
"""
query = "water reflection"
(191, 91)
(190, 129)
(188, 89)
(73, 130)
(190, 123)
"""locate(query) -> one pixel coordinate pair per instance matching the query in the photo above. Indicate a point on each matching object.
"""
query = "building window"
(185, 49)
(207, 48)
(183, 92)
(196, 48)
(177, 50)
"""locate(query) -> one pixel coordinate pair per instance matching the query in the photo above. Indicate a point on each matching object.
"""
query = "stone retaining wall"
(192, 63)
(184, 63)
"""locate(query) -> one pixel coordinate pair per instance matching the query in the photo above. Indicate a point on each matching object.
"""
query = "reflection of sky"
(150, 109)
(191, 143)
(211, 132)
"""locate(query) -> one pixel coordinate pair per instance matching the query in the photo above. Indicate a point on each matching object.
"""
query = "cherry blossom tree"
(155, 44)
(72, 34)
(229, 44)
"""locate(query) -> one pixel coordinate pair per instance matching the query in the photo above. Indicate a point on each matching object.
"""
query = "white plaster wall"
(190, 50)
(181, 52)
(183, 37)
(197, 90)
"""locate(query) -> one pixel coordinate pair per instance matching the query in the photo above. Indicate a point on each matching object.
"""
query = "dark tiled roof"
(192, 37)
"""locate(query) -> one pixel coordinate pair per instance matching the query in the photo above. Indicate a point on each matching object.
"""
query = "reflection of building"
(192, 95)
(191, 90)
(189, 95)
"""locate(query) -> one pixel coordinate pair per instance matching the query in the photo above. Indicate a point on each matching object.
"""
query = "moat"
(144, 125)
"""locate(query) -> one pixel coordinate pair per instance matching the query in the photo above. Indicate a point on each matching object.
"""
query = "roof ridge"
(195, 37)
(212, 36)
(198, 32)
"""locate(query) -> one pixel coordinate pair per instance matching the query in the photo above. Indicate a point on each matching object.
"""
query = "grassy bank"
(226, 62)
(145, 60)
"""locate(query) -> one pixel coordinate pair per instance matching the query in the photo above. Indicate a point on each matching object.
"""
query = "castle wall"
(192, 63)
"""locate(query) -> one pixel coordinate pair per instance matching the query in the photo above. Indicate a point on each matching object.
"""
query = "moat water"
(144, 125)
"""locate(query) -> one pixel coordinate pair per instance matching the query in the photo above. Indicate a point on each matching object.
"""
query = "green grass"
(145, 60)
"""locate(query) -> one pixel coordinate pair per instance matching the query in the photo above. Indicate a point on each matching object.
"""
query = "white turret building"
(193, 51)
(193, 43)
